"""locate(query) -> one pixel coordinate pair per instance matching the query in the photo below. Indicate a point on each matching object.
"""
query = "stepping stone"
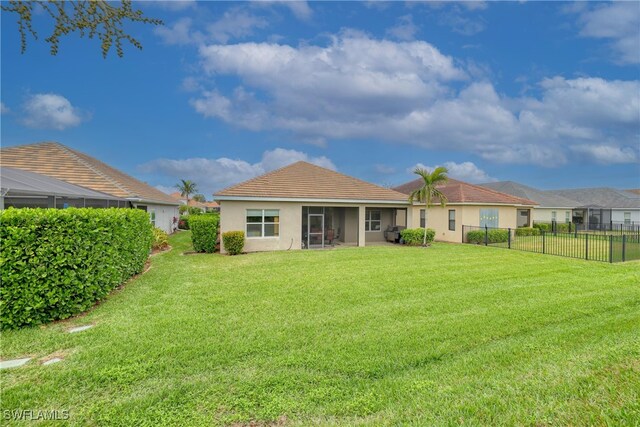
(80, 329)
(13, 363)
(52, 361)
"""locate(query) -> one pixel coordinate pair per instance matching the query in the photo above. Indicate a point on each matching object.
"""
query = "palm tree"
(187, 188)
(429, 191)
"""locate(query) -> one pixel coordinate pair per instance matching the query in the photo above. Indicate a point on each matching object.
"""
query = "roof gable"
(302, 180)
(462, 192)
(63, 163)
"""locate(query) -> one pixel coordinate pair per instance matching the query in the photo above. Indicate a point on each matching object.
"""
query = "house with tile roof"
(307, 206)
(593, 208)
(205, 206)
(550, 207)
(603, 207)
(55, 160)
(468, 205)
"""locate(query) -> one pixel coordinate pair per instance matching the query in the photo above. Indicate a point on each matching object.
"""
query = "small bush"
(160, 239)
(183, 222)
(527, 231)
(233, 242)
(415, 236)
(493, 236)
(56, 263)
(563, 227)
(204, 232)
(542, 226)
(189, 210)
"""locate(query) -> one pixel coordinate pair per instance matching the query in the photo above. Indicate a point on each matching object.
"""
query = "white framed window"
(554, 216)
(567, 216)
(489, 218)
(372, 221)
(423, 218)
(627, 218)
(152, 216)
(452, 220)
(263, 223)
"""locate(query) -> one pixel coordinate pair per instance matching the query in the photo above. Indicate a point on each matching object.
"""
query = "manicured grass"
(447, 335)
(576, 246)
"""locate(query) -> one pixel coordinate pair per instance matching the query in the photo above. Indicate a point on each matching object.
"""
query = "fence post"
(486, 235)
(624, 247)
(610, 248)
(509, 238)
(569, 228)
(586, 246)
(543, 241)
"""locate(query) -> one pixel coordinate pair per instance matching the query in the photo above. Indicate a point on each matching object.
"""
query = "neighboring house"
(24, 189)
(469, 205)
(550, 207)
(602, 206)
(635, 191)
(206, 206)
(307, 206)
(65, 164)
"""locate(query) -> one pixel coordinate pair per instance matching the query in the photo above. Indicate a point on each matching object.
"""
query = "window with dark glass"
(452, 220)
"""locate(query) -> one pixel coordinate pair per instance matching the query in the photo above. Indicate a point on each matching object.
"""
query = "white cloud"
(214, 174)
(180, 33)
(403, 92)
(299, 8)
(50, 111)
(405, 29)
(618, 22)
(608, 154)
(465, 171)
(234, 24)
(3, 108)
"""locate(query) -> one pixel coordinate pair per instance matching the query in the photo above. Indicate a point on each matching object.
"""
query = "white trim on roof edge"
(307, 200)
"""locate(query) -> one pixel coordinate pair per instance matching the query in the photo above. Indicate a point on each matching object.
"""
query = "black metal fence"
(595, 247)
(614, 227)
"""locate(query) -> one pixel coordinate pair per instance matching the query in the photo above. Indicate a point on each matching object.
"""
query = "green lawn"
(448, 335)
(576, 246)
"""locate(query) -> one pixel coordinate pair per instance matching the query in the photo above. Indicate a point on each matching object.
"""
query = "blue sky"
(544, 93)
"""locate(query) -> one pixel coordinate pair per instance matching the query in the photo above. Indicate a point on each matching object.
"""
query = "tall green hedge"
(57, 263)
(204, 232)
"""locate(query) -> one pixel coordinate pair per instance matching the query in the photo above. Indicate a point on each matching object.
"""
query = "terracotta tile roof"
(463, 192)
(61, 162)
(634, 190)
(176, 195)
(303, 180)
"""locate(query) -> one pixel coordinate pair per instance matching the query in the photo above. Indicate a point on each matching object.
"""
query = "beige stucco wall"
(438, 219)
(164, 216)
(544, 214)
(233, 217)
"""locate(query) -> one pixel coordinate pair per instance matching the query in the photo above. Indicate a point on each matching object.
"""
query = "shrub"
(189, 210)
(415, 236)
(493, 236)
(160, 239)
(56, 263)
(204, 232)
(563, 227)
(527, 231)
(233, 242)
(183, 223)
(542, 226)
